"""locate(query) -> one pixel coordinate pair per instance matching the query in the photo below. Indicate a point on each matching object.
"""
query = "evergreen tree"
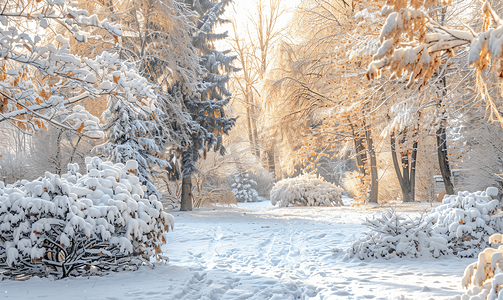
(206, 106)
(243, 188)
(136, 136)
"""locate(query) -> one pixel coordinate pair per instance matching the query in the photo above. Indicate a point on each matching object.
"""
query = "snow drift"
(77, 224)
(306, 190)
(460, 226)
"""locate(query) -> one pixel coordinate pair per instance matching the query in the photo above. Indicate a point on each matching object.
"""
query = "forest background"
(301, 102)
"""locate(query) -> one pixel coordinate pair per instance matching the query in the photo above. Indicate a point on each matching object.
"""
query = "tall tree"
(206, 106)
(158, 42)
(254, 44)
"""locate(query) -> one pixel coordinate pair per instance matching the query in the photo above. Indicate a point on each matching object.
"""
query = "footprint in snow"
(217, 233)
(425, 289)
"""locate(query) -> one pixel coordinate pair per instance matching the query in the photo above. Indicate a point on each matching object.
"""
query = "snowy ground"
(257, 251)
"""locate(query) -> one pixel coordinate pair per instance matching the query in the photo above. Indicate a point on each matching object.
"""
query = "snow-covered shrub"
(243, 190)
(460, 226)
(484, 278)
(78, 223)
(306, 190)
(392, 235)
(467, 220)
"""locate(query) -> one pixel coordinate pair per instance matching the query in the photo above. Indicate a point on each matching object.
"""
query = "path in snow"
(288, 253)
(258, 251)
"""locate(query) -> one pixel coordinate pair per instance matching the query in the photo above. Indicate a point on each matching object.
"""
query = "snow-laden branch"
(39, 76)
(420, 57)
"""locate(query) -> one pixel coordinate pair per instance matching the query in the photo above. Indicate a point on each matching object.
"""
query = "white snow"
(305, 190)
(257, 251)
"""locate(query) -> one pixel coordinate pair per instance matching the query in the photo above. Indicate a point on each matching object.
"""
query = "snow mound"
(306, 190)
(76, 224)
(460, 226)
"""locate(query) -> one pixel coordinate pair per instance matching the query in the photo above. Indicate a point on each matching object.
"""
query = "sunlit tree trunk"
(249, 127)
(407, 174)
(255, 131)
(374, 185)
(443, 159)
(359, 149)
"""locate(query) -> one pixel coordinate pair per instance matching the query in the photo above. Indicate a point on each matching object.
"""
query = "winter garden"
(265, 149)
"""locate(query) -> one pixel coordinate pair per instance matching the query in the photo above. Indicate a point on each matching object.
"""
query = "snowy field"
(256, 251)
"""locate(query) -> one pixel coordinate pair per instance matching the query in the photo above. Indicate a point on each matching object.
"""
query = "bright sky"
(241, 10)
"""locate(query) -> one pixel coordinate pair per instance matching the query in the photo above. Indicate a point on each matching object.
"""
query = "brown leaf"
(80, 128)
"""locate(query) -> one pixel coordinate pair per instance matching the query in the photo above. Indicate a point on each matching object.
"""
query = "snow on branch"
(420, 55)
(38, 74)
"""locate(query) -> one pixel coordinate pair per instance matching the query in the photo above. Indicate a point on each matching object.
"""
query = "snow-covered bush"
(484, 278)
(243, 190)
(467, 220)
(76, 224)
(460, 226)
(306, 190)
(392, 235)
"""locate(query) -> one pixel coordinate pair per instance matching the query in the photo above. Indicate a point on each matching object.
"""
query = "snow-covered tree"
(253, 40)
(40, 76)
(429, 43)
(243, 188)
(209, 122)
(135, 136)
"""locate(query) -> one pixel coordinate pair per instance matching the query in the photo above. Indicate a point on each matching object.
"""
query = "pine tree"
(206, 107)
(243, 188)
(133, 136)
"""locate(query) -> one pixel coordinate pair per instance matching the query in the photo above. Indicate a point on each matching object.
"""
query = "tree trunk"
(58, 153)
(250, 130)
(403, 184)
(75, 149)
(255, 132)
(413, 173)
(360, 155)
(374, 185)
(271, 158)
(406, 176)
(186, 201)
(443, 160)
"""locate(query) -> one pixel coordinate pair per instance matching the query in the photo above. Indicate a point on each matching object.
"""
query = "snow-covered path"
(289, 254)
(258, 251)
